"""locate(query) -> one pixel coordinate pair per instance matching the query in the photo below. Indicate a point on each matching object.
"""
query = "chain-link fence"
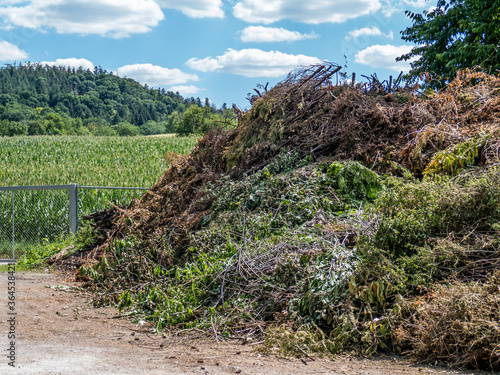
(32, 215)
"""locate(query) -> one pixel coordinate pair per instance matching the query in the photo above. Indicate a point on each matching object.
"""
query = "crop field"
(86, 161)
(103, 161)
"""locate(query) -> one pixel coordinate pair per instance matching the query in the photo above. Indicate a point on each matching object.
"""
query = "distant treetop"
(456, 34)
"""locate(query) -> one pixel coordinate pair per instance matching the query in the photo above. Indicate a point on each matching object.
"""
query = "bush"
(13, 128)
(37, 127)
(105, 131)
(152, 128)
(192, 121)
(125, 129)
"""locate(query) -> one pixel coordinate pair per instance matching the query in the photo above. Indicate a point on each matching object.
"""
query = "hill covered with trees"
(38, 99)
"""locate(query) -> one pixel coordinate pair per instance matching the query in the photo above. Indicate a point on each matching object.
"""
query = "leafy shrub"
(106, 131)
(152, 128)
(126, 129)
(17, 128)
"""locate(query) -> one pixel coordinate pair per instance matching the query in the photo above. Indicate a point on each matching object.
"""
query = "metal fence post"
(13, 228)
(73, 208)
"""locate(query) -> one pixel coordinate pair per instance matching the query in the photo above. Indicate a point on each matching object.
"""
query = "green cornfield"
(86, 161)
(103, 161)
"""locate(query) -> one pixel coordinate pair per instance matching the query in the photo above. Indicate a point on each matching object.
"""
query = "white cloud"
(113, 18)
(208, 64)
(367, 32)
(388, 10)
(252, 63)
(10, 52)
(308, 11)
(416, 3)
(272, 34)
(185, 90)
(71, 62)
(154, 75)
(384, 56)
(195, 8)
(390, 7)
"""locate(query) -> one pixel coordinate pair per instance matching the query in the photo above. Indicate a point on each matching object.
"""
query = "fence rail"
(31, 214)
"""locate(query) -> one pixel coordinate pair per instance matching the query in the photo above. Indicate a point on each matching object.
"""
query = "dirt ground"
(59, 332)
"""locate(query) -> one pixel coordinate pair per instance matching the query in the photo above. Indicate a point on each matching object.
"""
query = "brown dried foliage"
(469, 106)
(459, 323)
(306, 113)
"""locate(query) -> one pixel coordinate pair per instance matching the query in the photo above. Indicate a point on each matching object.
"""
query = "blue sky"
(220, 49)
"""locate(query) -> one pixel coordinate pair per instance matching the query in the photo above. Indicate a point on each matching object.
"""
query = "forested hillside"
(38, 99)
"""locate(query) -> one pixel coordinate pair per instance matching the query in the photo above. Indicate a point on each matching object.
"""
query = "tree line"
(39, 99)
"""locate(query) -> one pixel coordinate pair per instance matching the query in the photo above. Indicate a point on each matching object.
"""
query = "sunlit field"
(101, 161)
(86, 161)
